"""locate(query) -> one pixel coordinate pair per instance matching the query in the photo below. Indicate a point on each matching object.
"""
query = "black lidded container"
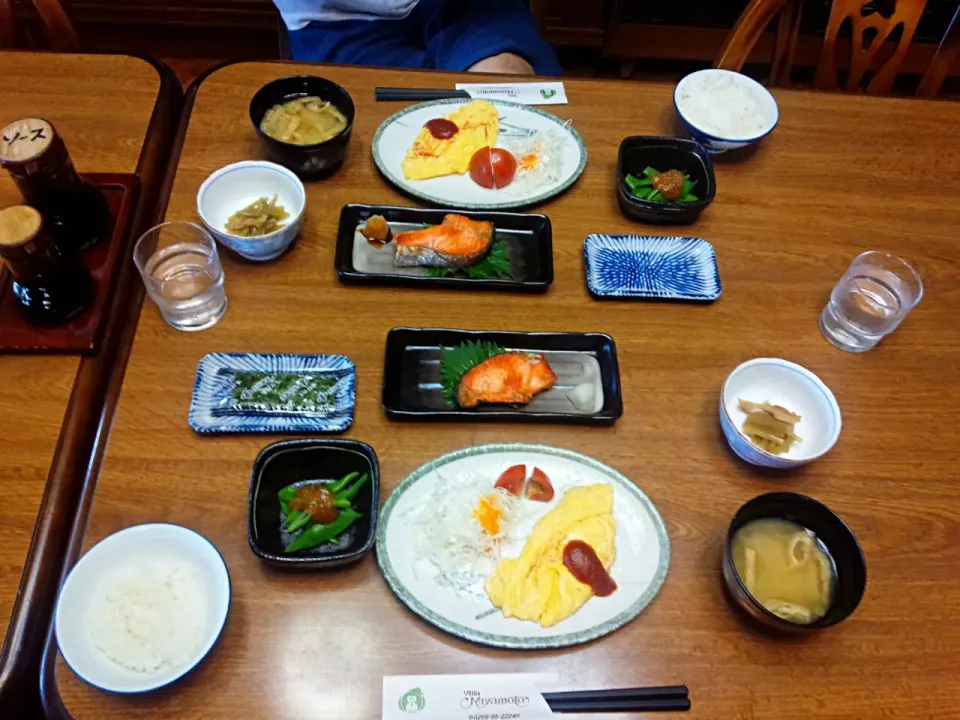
(52, 286)
(74, 210)
(310, 162)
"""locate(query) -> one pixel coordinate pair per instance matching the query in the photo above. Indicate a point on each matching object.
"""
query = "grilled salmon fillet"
(508, 378)
(455, 243)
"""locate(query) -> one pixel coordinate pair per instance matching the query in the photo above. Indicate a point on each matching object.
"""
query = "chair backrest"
(59, 30)
(872, 25)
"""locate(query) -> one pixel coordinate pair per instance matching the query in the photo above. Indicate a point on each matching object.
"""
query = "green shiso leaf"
(456, 361)
(494, 266)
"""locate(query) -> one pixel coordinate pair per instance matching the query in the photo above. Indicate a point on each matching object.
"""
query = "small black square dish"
(520, 258)
(665, 153)
(422, 366)
(309, 464)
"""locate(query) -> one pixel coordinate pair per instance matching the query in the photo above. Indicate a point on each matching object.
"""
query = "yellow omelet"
(537, 585)
(478, 123)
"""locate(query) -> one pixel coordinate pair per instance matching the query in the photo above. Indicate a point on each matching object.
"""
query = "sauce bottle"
(75, 210)
(52, 286)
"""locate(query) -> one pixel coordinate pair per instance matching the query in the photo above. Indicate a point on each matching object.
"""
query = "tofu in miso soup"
(786, 568)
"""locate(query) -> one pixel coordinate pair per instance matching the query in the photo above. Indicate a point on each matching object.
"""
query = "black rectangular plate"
(404, 397)
(529, 237)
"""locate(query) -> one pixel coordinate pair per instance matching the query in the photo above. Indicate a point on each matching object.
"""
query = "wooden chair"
(59, 30)
(873, 24)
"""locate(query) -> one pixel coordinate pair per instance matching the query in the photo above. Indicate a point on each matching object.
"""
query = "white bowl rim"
(749, 81)
(217, 174)
(812, 377)
(204, 651)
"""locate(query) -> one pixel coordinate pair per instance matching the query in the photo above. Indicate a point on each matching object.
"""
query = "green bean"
(342, 482)
(299, 521)
(351, 492)
(319, 534)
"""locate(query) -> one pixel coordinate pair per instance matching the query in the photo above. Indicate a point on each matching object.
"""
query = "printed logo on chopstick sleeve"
(413, 701)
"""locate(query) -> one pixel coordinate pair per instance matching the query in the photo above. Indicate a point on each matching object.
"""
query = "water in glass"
(183, 275)
(870, 301)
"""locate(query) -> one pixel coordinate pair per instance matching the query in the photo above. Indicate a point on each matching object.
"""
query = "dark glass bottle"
(75, 211)
(52, 286)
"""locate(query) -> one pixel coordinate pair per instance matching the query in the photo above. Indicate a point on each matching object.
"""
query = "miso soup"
(786, 568)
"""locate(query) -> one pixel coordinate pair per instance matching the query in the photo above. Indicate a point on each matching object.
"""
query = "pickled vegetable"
(769, 427)
(259, 218)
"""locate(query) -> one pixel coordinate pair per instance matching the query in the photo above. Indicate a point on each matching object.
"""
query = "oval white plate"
(134, 545)
(643, 550)
(397, 133)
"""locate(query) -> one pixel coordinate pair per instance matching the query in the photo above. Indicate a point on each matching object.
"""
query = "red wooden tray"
(82, 334)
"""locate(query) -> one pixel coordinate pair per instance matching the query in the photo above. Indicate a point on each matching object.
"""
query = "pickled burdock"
(53, 286)
(75, 211)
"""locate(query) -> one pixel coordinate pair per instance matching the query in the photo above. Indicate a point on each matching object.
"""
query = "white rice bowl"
(726, 106)
(142, 608)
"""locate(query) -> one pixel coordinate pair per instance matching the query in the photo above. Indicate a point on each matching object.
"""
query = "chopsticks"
(650, 699)
(417, 94)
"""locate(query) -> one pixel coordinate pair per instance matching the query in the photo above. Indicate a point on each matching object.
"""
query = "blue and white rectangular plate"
(273, 393)
(645, 266)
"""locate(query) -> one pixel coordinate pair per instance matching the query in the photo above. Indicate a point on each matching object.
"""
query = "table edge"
(195, 85)
(84, 430)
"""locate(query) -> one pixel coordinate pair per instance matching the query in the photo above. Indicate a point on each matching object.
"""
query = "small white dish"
(705, 82)
(133, 547)
(236, 186)
(792, 386)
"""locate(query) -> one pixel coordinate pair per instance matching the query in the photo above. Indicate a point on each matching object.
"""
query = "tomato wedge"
(512, 480)
(540, 489)
(493, 168)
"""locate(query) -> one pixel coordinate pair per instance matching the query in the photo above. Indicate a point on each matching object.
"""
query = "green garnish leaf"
(650, 172)
(495, 266)
(456, 361)
(689, 197)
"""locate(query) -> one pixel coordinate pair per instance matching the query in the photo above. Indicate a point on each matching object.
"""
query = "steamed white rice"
(723, 105)
(151, 617)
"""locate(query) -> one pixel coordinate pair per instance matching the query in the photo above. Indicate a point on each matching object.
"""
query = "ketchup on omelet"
(582, 562)
(441, 128)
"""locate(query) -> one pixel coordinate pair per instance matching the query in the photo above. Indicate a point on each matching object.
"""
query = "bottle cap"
(25, 140)
(32, 146)
(20, 225)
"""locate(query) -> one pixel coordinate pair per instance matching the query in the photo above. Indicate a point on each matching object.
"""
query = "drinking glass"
(871, 299)
(181, 270)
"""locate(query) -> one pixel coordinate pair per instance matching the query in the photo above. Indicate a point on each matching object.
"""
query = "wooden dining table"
(839, 175)
(115, 115)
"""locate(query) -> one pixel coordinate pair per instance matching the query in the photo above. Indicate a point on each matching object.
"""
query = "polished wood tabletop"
(102, 107)
(838, 176)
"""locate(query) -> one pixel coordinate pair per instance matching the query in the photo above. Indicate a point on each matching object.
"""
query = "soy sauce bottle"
(53, 286)
(75, 211)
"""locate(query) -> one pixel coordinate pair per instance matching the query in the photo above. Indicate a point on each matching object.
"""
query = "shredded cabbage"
(452, 542)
